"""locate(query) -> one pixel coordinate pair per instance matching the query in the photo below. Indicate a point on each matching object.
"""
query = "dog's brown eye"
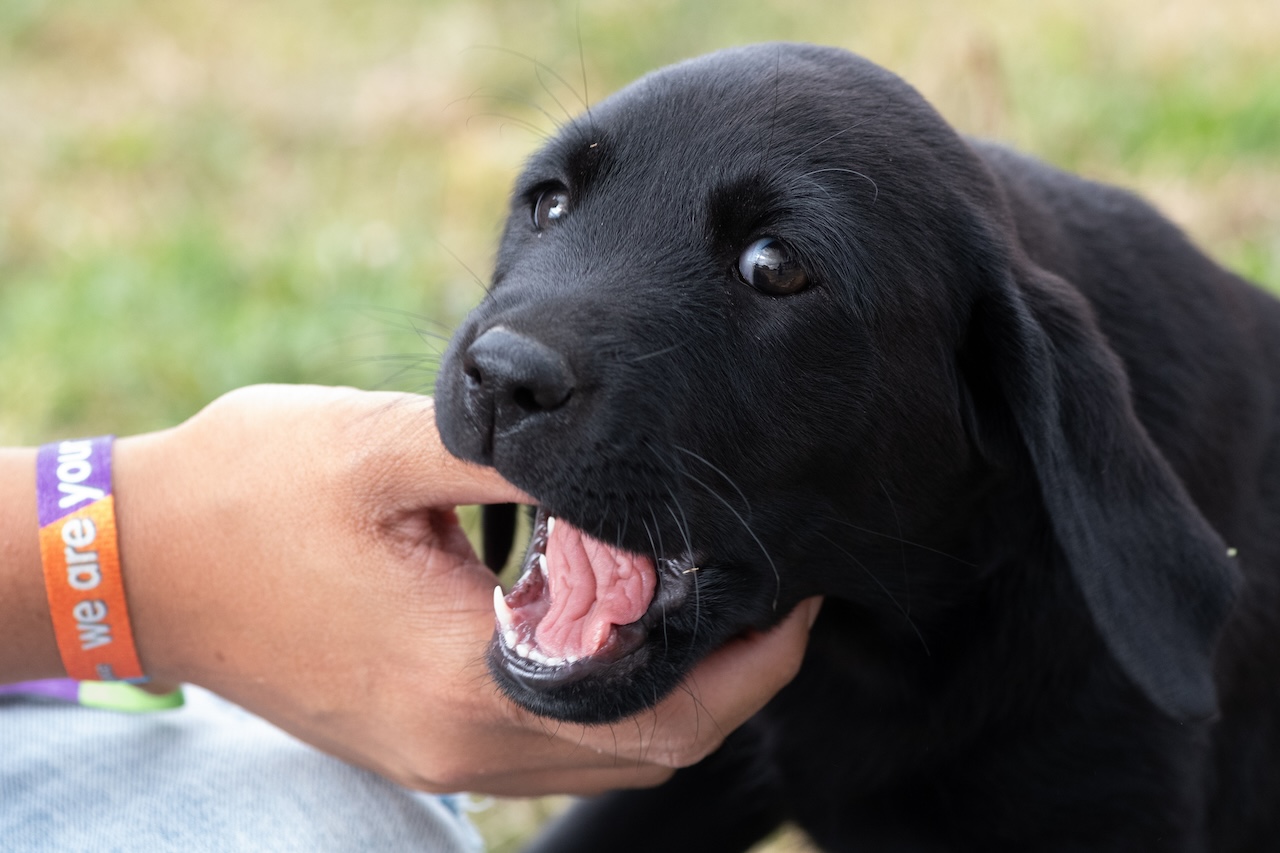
(551, 206)
(769, 266)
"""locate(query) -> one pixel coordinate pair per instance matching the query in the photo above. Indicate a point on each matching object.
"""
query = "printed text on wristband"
(81, 558)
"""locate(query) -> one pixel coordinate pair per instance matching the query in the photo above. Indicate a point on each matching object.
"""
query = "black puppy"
(764, 326)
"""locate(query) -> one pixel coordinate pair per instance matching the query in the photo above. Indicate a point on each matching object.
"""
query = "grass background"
(200, 195)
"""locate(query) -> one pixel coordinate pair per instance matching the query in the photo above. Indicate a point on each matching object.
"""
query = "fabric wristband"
(81, 558)
(108, 695)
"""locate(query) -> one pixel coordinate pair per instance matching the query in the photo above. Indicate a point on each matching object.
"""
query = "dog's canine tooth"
(506, 618)
(542, 564)
(551, 525)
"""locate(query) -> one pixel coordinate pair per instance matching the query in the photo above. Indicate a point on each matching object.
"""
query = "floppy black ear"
(1155, 576)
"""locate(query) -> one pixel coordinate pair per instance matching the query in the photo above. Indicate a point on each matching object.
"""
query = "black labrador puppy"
(763, 326)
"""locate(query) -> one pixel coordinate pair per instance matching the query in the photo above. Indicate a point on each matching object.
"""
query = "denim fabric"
(206, 777)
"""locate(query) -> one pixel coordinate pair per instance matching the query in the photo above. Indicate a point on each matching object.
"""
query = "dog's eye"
(769, 266)
(551, 206)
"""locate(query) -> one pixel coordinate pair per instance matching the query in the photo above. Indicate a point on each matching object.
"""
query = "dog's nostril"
(541, 399)
(524, 399)
(519, 371)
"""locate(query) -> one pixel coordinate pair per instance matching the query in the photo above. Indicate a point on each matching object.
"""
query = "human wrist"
(146, 506)
(28, 649)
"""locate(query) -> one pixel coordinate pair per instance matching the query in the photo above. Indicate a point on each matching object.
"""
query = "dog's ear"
(1155, 576)
(497, 534)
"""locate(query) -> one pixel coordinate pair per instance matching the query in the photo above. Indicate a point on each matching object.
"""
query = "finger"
(762, 663)
(584, 781)
(721, 693)
(433, 473)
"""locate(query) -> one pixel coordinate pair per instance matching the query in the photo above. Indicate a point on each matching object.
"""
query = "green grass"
(194, 198)
(196, 195)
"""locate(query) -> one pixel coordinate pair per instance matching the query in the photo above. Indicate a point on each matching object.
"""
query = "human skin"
(295, 550)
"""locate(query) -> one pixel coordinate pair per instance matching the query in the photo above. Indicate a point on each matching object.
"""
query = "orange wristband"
(81, 557)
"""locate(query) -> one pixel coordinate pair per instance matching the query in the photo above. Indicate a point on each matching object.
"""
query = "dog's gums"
(580, 604)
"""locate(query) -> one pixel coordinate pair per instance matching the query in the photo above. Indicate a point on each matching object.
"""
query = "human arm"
(295, 550)
(27, 647)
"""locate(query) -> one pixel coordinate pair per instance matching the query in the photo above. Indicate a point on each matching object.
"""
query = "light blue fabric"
(207, 777)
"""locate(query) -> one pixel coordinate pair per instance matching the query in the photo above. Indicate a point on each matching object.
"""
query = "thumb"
(429, 471)
(449, 481)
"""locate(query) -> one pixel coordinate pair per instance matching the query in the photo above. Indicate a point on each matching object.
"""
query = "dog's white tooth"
(523, 650)
(506, 618)
(510, 637)
(555, 661)
(542, 564)
(551, 525)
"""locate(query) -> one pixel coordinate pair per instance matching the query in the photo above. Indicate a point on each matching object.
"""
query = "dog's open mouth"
(581, 604)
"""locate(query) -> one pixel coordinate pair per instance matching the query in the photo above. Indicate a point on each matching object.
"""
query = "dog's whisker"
(810, 182)
(424, 369)
(890, 536)
(431, 339)
(661, 352)
(537, 73)
(666, 645)
(777, 576)
(824, 141)
(414, 358)
(681, 521)
(854, 172)
(401, 313)
(682, 525)
(511, 96)
(701, 707)
(539, 64)
(582, 65)
(647, 532)
(653, 715)
(622, 528)
(902, 547)
(643, 747)
(745, 503)
(884, 589)
(773, 115)
(523, 124)
(394, 378)
(458, 260)
(542, 69)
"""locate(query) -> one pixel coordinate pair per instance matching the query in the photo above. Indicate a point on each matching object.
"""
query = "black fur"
(1010, 429)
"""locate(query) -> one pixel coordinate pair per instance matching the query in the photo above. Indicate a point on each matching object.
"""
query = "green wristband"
(122, 696)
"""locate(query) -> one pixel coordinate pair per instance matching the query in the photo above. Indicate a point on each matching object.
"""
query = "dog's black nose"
(515, 376)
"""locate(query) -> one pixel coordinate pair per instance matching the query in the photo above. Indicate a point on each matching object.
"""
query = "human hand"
(295, 550)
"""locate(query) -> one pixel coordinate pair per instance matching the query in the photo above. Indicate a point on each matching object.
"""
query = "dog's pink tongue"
(592, 587)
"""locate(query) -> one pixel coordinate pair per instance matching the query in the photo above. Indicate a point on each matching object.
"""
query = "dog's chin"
(591, 633)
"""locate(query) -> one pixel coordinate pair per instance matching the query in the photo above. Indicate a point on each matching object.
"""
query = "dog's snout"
(516, 375)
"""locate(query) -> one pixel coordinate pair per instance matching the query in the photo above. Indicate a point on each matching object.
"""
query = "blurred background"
(200, 195)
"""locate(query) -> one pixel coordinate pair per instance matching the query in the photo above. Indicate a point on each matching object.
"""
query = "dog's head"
(730, 349)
